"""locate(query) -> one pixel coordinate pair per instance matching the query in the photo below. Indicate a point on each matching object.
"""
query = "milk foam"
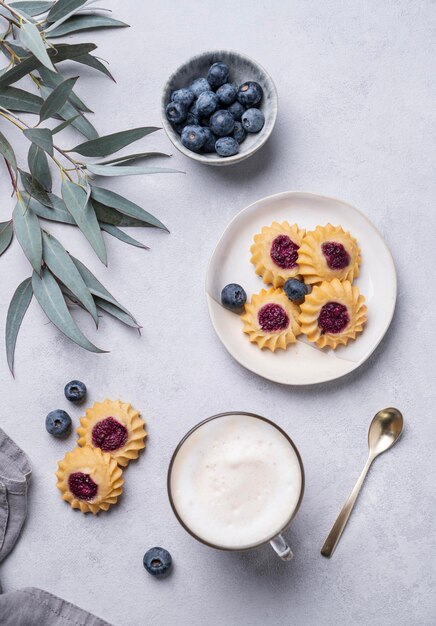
(236, 481)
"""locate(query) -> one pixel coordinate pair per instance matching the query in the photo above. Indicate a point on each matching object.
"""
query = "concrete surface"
(357, 121)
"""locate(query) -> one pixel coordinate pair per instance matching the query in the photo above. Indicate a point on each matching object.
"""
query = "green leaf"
(112, 143)
(53, 79)
(68, 111)
(108, 215)
(42, 137)
(34, 189)
(31, 39)
(58, 212)
(38, 166)
(128, 170)
(49, 295)
(128, 158)
(16, 99)
(28, 233)
(17, 309)
(61, 127)
(6, 235)
(7, 152)
(31, 8)
(96, 64)
(114, 200)
(60, 264)
(85, 22)
(57, 99)
(113, 310)
(81, 209)
(63, 8)
(122, 236)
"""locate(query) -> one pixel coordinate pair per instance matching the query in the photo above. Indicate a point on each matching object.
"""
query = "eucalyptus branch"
(21, 18)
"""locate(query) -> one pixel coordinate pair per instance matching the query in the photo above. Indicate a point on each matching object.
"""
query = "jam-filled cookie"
(89, 479)
(271, 320)
(333, 313)
(114, 427)
(275, 252)
(328, 252)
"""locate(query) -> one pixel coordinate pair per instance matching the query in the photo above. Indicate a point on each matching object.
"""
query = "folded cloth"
(29, 606)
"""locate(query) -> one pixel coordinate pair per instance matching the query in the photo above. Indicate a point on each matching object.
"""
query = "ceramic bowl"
(242, 68)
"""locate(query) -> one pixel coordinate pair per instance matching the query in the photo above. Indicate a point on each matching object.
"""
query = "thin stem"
(14, 12)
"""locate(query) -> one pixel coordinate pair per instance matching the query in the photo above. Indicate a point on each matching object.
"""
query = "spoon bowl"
(385, 429)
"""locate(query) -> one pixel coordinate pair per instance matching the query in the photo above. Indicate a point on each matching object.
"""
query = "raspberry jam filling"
(109, 435)
(272, 318)
(284, 252)
(333, 318)
(82, 486)
(335, 254)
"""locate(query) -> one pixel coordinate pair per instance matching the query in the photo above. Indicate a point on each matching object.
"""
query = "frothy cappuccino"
(235, 481)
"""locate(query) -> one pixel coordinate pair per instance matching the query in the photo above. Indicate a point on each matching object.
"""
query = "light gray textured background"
(357, 121)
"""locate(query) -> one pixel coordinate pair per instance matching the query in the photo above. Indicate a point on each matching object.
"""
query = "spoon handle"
(338, 527)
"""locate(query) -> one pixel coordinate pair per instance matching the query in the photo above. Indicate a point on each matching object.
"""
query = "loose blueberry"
(233, 297)
(238, 132)
(253, 120)
(209, 145)
(199, 85)
(296, 290)
(176, 112)
(221, 123)
(218, 74)
(184, 96)
(193, 137)
(250, 94)
(207, 103)
(226, 146)
(75, 391)
(157, 562)
(58, 423)
(236, 110)
(226, 94)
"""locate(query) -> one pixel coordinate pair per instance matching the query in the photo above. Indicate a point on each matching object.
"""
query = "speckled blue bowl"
(242, 68)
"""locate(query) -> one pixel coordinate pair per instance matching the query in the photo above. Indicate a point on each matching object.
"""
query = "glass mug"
(239, 447)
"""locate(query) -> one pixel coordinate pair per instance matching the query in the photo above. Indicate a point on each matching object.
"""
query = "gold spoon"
(384, 431)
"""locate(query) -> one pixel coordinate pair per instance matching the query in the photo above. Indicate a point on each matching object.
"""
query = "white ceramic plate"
(302, 363)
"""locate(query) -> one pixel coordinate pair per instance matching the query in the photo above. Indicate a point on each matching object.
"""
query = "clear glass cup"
(277, 541)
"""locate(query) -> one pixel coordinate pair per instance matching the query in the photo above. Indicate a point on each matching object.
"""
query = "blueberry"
(221, 123)
(184, 96)
(236, 110)
(226, 94)
(238, 132)
(193, 137)
(218, 74)
(199, 85)
(209, 145)
(207, 103)
(176, 112)
(58, 423)
(250, 93)
(226, 146)
(75, 391)
(296, 290)
(179, 127)
(253, 120)
(233, 297)
(193, 117)
(157, 562)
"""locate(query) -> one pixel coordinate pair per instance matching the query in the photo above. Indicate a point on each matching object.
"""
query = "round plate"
(302, 363)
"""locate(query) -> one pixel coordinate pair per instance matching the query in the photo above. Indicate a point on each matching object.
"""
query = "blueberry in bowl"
(213, 90)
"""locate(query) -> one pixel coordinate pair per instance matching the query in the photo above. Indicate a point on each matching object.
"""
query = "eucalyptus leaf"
(128, 158)
(28, 233)
(7, 152)
(63, 8)
(128, 170)
(31, 39)
(96, 64)
(112, 143)
(53, 79)
(57, 99)
(109, 215)
(122, 236)
(50, 297)
(121, 204)
(84, 22)
(61, 127)
(115, 311)
(34, 189)
(81, 209)
(42, 137)
(6, 235)
(32, 8)
(60, 264)
(38, 165)
(17, 309)
(58, 212)
(16, 99)
(68, 111)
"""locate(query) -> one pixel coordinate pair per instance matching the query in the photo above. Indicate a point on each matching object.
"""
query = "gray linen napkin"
(29, 606)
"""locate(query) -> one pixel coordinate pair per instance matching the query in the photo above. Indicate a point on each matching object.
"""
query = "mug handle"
(281, 548)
